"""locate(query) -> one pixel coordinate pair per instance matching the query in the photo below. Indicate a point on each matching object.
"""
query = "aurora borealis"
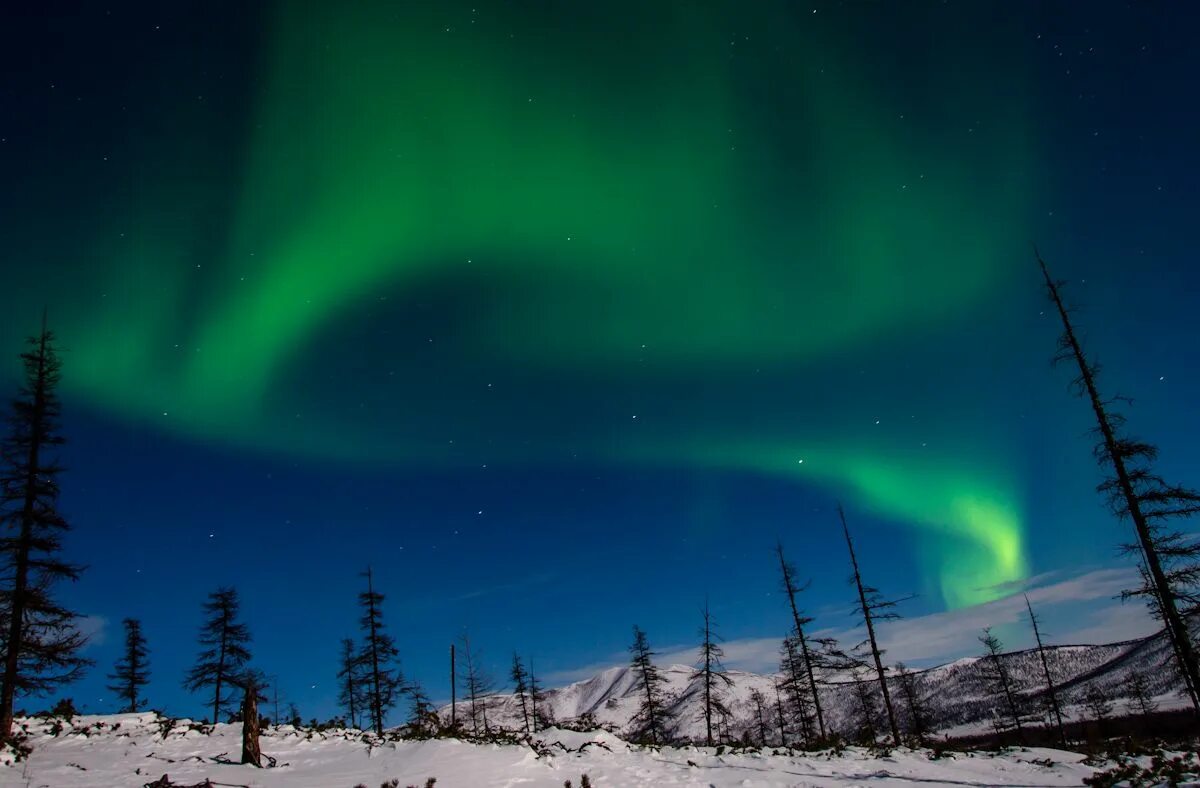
(766, 253)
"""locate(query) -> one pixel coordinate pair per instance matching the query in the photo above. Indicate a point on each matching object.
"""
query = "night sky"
(558, 314)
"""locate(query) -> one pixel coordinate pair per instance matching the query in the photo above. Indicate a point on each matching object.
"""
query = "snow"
(130, 750)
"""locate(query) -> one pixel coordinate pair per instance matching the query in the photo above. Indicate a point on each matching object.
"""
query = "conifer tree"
(520, 679)
(918, 713)
(759, 703)
(538, 710)
(872, 608)
(1000, 681)
(711, 673)
(1138, 690)
(477, 685)
(379, 657)
(423, 717)
(352, 685)
(791, 587)
(652, 716)
(132, 671)
(866, 708)
(1169, 558)
(780, 718)
(39, 637)
(1051, 691)
(224, 650)
(1098, 704)
(794, 682)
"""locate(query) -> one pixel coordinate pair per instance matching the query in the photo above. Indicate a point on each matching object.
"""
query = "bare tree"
(791, 587)
(872, 607)
(41, 638)
(794, 682)
(539, 712)
(1169, 559)
(711, 673)
(1051, 691)
(132, 671)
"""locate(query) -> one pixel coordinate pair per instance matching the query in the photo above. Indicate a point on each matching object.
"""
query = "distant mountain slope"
(955, 694)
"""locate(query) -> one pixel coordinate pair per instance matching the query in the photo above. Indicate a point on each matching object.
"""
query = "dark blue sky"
(543, 373)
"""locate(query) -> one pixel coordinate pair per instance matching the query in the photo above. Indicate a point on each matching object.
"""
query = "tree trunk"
(250, 750)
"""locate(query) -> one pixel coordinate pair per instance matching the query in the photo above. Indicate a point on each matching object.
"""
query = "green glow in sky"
(641, 207)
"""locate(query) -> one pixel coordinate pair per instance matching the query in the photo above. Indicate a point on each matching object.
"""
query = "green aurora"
(631, 216)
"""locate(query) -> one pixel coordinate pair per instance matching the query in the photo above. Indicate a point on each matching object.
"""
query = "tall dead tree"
(791, 587)
(651, 716)
(379, 657)
(40, 638)
(1000, 681)
(1051, 691)
(225, 650)
(711, 675)
(872, 607)
(1169, 558)
(132, 671)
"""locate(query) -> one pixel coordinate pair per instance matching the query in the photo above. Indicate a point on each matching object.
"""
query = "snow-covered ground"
(130, 750)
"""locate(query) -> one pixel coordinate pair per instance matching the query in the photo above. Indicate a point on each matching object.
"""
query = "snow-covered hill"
(956, 694)
(131, 750)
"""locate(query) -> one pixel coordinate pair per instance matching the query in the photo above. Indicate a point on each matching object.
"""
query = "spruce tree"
(423, 717)
(651, 718)
(40, 638)
(1051, 695)
(224, 650)
(711, 673)
(919, 717)
(872, 608)
(791, 587)
(132, 671)
(379, 657)
(999, 681)
(520, 679)
(352, 685)
(1140, 696)
(1169, 558)
(758, 702)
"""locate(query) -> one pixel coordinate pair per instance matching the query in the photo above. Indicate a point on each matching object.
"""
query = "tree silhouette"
(791, 587)
(1051, 691)
(352, 685)
(41, 640)
(132, 671)
(224, 650)
(379, 656)
(477, 685)
(520, 679)
(651, 716)
(1000, 681)
(872, 607)
(1169, 559)
(711, 673)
